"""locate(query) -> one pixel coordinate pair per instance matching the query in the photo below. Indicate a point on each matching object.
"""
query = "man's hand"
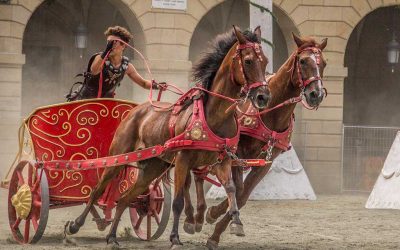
(159, 85)
(108, 48)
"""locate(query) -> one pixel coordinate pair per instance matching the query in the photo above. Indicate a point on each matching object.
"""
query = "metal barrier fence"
(364, 151)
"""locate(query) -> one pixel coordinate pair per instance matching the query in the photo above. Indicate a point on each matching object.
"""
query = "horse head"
(308, 70)
(249, 66)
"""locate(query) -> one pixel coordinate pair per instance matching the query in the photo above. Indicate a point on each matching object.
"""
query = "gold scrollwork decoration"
(54, 174)
(86, 190)
(87, 120)
(123, 186)
(66, 126)
(59, 152)
(82, 133)
(132, 175)
(117, 114)
(92, 151)
(74, 176)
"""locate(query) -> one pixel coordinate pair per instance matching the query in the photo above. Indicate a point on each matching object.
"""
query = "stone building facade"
(165, 36)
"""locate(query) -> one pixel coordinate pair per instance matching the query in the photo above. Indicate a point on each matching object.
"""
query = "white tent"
(285, 180)
(386, 192)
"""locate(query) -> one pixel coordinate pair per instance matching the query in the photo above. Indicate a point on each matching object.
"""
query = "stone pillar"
(263, 19)
(10, 107)
(13, 18)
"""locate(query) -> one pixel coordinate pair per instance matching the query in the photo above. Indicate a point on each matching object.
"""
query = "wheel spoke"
(35, 222)
(27, 228)
(21, 180)
(16, 223)
(37, 204)
(156, 217)
(148, 226)
(30, 175)
(158, 198)
(139, 221)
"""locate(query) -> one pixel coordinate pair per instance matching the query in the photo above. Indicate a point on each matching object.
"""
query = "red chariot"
(61, 159)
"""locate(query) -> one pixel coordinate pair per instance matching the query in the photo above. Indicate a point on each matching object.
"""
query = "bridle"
(237, 56)
(303, 83)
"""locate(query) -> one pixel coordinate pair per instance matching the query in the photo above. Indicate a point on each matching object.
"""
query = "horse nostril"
(262, 99)
(314, 94)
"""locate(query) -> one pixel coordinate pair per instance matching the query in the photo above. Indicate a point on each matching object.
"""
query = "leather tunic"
(112, 78)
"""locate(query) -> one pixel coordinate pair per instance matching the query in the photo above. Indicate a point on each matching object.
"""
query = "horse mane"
(207, 66)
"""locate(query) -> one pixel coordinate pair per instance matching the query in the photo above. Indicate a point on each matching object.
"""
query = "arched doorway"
(370, 109)
(236, 12)
(52, 60)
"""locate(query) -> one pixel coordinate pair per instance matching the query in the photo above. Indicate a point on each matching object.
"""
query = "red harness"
(197, 134)
(253, 126)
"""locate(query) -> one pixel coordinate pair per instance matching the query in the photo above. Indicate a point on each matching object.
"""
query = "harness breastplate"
(198, 135)
(253, 126)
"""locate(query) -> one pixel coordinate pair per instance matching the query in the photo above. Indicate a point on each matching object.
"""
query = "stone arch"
(371, 85)
(360, 9)
(214, 22)
(286, 27)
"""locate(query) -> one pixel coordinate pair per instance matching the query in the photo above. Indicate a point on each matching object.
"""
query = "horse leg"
(72, 227)
(188, 225)
(214, 212)
(150, 170)
(251, 181)
(201, 203)
(111, 237)
(181, 171)
(224, 175)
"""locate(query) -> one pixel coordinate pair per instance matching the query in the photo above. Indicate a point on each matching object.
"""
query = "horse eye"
(302, 61)
(247, 62)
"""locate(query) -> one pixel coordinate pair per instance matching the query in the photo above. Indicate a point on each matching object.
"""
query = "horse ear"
(323, 43)
(257, 32)
(240, 37)
(297, 40)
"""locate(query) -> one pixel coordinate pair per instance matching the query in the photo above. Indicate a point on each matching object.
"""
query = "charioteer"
(106, 69)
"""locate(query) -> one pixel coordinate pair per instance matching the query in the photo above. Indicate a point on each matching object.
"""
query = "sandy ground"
(331, 222)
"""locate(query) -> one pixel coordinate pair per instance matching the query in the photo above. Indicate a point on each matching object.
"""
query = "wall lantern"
(81, 38)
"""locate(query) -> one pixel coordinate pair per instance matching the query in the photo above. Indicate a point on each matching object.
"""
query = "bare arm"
(134, 75)
(96, 65)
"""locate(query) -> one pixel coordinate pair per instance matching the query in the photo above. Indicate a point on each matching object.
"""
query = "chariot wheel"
(28, 203)
(150, 215)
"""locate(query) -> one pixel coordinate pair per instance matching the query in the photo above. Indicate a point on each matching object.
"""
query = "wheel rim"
(150, 218)
(29, 229)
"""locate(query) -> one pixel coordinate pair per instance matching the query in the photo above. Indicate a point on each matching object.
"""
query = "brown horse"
(301, 75)
(235, 63)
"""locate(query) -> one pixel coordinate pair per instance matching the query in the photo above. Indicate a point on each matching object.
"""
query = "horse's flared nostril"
(314, 95)
(262, 100)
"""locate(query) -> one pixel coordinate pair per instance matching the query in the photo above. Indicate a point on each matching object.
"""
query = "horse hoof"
(114, 245)
(176, 243)
(236, 229)
(211, 244)
(177, 247)
(189, 228)
(209, 218)
(198, 227)
(69, 241)
(70, 228)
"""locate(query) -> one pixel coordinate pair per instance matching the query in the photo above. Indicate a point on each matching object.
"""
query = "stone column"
(13, 18)
(10, 107)
(263, 19)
